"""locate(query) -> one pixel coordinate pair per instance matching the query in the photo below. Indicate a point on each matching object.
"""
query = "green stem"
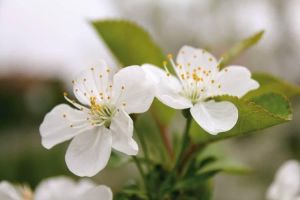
(144, 148)
(139, 167)
(143, 175)
(185, 140)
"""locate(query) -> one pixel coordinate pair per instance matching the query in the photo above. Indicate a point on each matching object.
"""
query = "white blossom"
(197, 80)
(58, 188)
(101, 120)
(286, 185)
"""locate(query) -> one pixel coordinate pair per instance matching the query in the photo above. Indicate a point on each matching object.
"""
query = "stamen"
(166, 68)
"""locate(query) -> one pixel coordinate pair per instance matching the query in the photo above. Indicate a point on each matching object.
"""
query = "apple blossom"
(101, 120)
(197, 80)
(58, 188)
(286, 185)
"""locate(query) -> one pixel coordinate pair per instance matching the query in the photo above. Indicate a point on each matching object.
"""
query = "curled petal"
(122, 129)
(215, 117)
(61, 124)
(89, 152)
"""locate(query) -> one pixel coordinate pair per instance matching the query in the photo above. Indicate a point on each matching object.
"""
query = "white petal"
(215, 117)
(61, 124)
(62, 188)
(191, 58)
(133, 90)
(167, 87)
(9, 192)
(92, 82)
(122, 129)
(287, 182)
(98, 193)
(56, 188)
(154, 73)
(89, 152)
(235, 81)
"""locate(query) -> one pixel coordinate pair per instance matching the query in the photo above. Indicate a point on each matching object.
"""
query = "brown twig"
(189, 154)
(165, 136)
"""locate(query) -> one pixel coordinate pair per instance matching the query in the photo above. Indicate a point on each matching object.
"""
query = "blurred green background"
(33, 75)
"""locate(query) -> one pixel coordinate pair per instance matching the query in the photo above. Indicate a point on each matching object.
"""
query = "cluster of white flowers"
(101, 120)
(58, 188)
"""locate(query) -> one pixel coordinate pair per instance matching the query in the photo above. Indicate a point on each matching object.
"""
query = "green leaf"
(239, 48)
(269, 83)
(223, 165)
(254, 114)
(129, 43)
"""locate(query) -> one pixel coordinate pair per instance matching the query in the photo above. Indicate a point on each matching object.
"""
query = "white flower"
(286, 185)
(197, 80)
(11, 192)
(63, 188)
(58, 188)
(102, 121)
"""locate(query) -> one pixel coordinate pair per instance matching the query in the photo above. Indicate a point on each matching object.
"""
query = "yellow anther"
(165, 63)
(93, 101)
(170, 56)
(107, 70)
(212, 81)
(124, 104)
(182, 76)
(100, 75)
(210, 59)
(219, 86)
(65, 94)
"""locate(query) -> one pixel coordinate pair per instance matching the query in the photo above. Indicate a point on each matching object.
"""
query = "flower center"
(194, 92)
(101, 114)
(197, 81)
